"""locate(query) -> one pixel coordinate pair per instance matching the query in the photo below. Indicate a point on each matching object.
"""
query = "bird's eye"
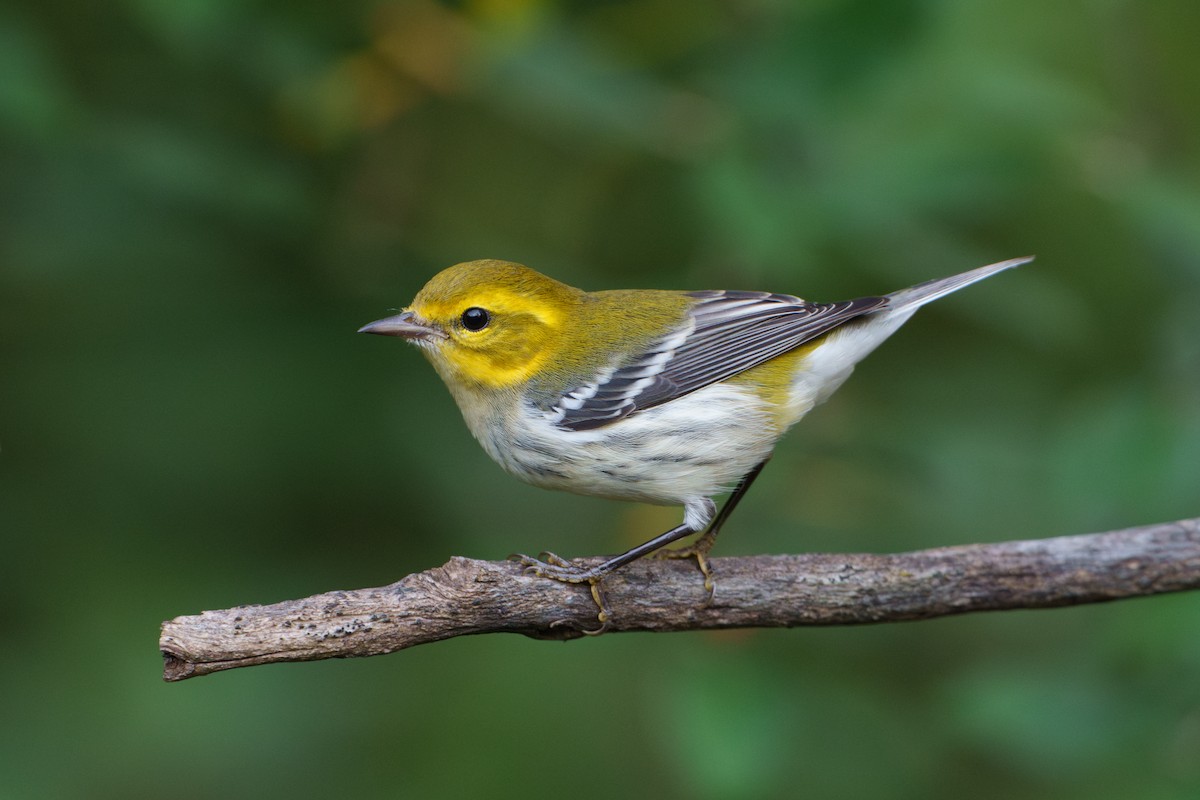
(476, 318)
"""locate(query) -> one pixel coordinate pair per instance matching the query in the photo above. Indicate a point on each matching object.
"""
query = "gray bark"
(466, 596)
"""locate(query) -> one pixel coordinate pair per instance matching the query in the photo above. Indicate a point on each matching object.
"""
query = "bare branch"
(466, 596)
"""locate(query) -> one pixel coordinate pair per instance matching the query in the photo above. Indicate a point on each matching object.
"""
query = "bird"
(653, 396)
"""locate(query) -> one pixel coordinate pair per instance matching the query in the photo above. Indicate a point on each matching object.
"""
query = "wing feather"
(727, 333)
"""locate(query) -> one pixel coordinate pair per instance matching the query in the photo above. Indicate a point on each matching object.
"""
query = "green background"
(201, 200)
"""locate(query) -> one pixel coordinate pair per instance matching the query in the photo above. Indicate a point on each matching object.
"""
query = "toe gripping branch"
(554, 567)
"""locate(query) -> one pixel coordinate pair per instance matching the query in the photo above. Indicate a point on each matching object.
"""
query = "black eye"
(476, 318)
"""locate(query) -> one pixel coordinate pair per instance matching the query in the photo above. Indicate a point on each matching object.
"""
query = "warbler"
(665, 397)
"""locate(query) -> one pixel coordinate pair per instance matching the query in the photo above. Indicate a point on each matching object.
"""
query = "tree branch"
(466, 596)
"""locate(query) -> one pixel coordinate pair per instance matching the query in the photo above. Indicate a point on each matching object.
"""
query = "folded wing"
(726, 333)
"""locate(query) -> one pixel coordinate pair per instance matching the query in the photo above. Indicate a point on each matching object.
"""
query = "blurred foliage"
(203, 199)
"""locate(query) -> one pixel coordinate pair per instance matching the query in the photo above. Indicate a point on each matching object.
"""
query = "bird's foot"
(556, 568)
(699, 551)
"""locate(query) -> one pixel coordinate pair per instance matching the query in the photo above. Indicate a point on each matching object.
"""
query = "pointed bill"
(406, 325)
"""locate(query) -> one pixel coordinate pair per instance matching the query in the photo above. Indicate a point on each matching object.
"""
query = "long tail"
(922, 293)
(829, 365)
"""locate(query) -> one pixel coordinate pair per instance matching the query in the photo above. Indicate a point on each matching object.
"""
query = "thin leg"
(699, 549)
(559, 569)
(738, 492)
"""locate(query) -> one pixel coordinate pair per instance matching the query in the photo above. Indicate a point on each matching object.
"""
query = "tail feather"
(922, 293)
(830, 364)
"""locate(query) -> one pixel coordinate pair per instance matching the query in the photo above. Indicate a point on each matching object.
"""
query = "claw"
(603, 616)
(559, 569)
(556, 560)
(699, 551)
(710, 585)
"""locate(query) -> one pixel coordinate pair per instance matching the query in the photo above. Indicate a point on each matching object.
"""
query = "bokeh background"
(202, 200)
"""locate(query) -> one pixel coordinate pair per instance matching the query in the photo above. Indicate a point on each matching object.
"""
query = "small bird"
(662, 397)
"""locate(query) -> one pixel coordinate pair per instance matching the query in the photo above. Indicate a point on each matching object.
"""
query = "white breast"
(676, 453)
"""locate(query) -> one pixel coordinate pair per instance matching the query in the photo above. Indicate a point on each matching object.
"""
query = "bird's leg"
(699, 548)
(557, 568)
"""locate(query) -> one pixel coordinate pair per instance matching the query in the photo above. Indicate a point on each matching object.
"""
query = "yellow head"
(486, 324)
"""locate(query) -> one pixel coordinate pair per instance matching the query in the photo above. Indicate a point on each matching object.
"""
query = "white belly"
(673, 454)
(681, 452)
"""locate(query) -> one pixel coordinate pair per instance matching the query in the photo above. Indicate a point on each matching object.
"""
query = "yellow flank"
(772, 381)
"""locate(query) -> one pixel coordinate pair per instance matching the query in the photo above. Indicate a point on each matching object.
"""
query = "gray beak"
(405, 325)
